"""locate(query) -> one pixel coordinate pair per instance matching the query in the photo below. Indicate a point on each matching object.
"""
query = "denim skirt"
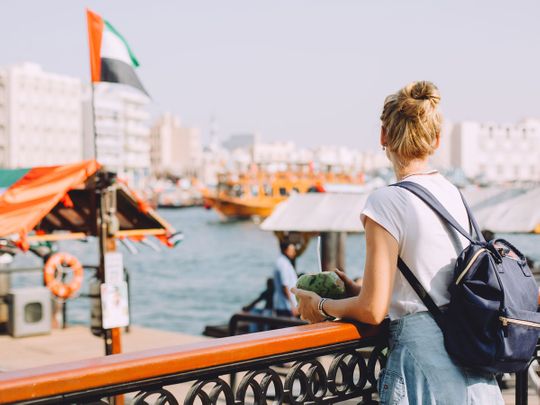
(419, 371)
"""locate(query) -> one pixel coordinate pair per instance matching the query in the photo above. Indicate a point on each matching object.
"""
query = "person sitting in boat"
(268, 297)
(285, 278)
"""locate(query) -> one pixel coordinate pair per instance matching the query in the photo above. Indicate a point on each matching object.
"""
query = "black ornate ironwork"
(522, 380)
(323, 375)
(164, 397)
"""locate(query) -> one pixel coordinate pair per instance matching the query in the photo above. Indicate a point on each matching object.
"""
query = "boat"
(256, 194)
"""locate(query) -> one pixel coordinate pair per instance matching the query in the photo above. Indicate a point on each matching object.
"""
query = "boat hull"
(240, 209)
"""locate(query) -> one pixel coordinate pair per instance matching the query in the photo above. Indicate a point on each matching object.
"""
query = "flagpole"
(94, 130)
(105, 203)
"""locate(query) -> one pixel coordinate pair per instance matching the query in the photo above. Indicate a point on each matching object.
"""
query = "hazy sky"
(312, 71)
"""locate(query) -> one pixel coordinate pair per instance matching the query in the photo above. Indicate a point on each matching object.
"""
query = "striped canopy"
(27, 195)
(55, 203)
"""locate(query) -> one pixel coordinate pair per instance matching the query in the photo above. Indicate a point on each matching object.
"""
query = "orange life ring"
(50, 271)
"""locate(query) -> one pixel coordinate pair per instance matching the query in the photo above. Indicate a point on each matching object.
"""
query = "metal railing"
(324, 363)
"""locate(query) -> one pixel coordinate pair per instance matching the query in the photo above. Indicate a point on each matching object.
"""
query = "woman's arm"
(371, 305)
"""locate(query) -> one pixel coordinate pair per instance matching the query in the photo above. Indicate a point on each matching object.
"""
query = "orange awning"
(34, 195)
(56, 203)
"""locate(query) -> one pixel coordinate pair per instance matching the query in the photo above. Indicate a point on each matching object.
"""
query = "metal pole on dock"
(108, 224)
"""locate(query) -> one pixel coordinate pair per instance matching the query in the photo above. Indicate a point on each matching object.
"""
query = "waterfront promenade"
(77, 343)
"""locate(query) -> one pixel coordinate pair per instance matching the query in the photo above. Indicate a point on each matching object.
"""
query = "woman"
(418, 369)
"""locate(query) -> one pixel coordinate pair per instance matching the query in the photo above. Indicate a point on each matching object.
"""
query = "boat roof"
(56, 203)
(318, 212)
(499, 209)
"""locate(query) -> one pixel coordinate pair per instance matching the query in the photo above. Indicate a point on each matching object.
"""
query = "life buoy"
(50, 271)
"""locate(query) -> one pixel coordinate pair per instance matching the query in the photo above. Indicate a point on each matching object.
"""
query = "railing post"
(522, 387)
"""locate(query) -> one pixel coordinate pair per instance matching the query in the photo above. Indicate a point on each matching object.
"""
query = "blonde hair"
(411, 121)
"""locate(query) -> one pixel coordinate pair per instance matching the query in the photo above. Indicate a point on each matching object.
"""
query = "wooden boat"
(257, 194)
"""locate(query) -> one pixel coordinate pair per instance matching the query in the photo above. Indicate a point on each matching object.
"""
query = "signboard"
(114, 304)
(114, 268)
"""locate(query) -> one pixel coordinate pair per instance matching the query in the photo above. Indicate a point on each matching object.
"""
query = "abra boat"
(257, 194)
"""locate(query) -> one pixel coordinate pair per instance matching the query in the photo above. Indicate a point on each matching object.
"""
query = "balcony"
(325, 363)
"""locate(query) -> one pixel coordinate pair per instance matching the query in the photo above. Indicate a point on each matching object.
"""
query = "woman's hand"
(351, 288)
(308, 303)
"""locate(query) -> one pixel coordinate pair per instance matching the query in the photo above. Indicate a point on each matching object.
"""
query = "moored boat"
(257, 194)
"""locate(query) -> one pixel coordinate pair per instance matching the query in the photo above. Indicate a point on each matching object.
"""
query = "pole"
(107, 243)
(94, 130)
(107, 228)
(333, 250)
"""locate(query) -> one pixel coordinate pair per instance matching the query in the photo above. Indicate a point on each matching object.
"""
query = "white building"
(122, 130)
(441, 158)
(497, 152)
(274, 152)
(176, 149)
(40, 117)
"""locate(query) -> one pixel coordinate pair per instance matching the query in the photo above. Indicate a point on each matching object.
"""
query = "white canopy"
(500, 210)
(318, 212)
(520, 213)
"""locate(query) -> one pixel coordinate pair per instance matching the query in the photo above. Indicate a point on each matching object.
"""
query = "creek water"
(218, 268)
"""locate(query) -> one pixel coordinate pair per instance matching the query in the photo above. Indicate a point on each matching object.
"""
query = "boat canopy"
(499, 209)
(58, 203)
(318, 212)
(519, 213)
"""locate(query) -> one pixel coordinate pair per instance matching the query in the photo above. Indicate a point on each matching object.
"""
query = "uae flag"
(111, 58)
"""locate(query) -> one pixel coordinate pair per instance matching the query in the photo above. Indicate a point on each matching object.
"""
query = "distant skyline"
(311, 71)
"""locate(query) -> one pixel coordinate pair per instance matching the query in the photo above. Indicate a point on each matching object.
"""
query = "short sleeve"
(387, 207)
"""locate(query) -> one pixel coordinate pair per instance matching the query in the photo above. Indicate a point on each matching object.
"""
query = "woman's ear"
(384, 138)
(437, 141)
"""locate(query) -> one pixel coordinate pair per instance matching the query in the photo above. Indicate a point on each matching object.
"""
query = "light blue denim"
(419, 370)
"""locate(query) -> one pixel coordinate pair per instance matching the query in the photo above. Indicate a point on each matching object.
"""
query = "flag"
(111, 58)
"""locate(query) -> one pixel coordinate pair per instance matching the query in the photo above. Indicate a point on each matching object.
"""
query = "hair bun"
(418, 99)
(425, 91)
(412, 121)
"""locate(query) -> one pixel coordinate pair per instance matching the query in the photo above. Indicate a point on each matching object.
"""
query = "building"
(40, 117)
(274, 152)
(496, 153)
(241, 141)
(175, 149)
(122, 130)
(441, 158)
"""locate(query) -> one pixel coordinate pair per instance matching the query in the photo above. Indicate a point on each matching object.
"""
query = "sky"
(315, 72)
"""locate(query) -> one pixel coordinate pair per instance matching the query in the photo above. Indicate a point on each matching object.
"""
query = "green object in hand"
(327, 284)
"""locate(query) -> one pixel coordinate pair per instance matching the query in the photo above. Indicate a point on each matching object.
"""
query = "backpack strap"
(472, 219)
(421, 291)
(432, 202)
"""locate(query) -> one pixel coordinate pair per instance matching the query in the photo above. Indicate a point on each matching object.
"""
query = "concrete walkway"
(77, 343)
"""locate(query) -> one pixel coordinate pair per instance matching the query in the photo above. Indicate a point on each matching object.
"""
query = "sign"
(114, 305)
(114, 268)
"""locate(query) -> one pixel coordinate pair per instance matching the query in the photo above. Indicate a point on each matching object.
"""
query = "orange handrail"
(83, 375)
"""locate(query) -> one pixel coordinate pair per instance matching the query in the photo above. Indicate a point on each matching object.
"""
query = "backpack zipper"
(469, 264)
(505, 321)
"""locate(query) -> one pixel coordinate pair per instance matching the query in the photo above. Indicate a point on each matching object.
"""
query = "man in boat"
(268, 297)
(285, 278)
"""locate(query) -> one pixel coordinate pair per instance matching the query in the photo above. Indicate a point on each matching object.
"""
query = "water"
(217, 269)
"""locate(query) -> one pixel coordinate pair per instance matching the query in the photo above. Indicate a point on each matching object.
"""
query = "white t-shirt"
(284, 276)
(426, 245)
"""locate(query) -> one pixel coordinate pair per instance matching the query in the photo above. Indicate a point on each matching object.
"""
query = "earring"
(384, 147)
